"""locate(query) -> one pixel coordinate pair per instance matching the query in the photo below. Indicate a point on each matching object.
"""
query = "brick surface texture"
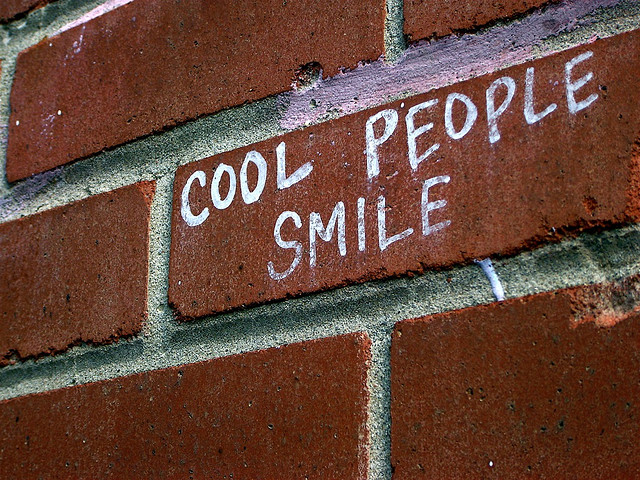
(298, 411)
(10, 9)
(149, 65)
(76, 273)
(545, 386)
(437, 18)
(285, 186)
(505, 187)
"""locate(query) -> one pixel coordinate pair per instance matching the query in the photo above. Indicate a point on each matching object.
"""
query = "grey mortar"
(394, 41)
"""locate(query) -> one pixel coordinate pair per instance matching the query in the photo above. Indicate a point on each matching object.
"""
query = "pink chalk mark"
(425, 66)
(13, 206)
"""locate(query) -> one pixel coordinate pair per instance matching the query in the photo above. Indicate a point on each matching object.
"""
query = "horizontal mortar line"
(118, 167)
(447, 60)
(250, 341)
(315, 316)
(440, 63)
(47, 21)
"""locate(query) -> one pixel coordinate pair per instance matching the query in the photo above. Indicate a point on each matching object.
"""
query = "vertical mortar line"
(379, 383)
(597, 272)
(394, 42)
(160, 316)
(602, 273)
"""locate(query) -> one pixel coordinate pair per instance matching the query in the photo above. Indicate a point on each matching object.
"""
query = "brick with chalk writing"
(494, 165)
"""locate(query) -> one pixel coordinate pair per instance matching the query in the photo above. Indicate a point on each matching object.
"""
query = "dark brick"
(149, 65)
(10, 9)
(298, 411)
(76, 273)
(540, 181)
(437, 18)
(544, 386)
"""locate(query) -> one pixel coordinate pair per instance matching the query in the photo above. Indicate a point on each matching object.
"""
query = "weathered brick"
(546, 386)
(297, 411)
(437, 18)
(149, 65)
(509, 184)
(10, 9)
(76, 273)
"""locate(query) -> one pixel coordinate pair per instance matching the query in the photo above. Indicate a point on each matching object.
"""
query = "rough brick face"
(149, 65)
(546, 386)
(76, 273)
(471, 188)
(297, 411)
(436, 18)
(9, 9)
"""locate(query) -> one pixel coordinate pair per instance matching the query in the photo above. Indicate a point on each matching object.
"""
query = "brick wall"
(319, 239)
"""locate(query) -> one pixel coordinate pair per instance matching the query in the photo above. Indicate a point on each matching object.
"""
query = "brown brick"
(546, 386)
(10, 9)
(75, 274)
(563, 173)
(298, 411)
(437, 18)
(149, 65)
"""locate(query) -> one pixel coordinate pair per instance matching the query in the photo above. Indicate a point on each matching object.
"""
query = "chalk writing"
(459, 115)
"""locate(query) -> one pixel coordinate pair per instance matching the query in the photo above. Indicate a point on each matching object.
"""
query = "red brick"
(149, 65)
(298, 411)
(562, 174)
(437, 18)
(10, 9)
(545, 386)
(75, 274)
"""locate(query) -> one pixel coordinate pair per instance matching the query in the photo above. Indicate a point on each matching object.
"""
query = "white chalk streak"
(490, 272)
(96, 12)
